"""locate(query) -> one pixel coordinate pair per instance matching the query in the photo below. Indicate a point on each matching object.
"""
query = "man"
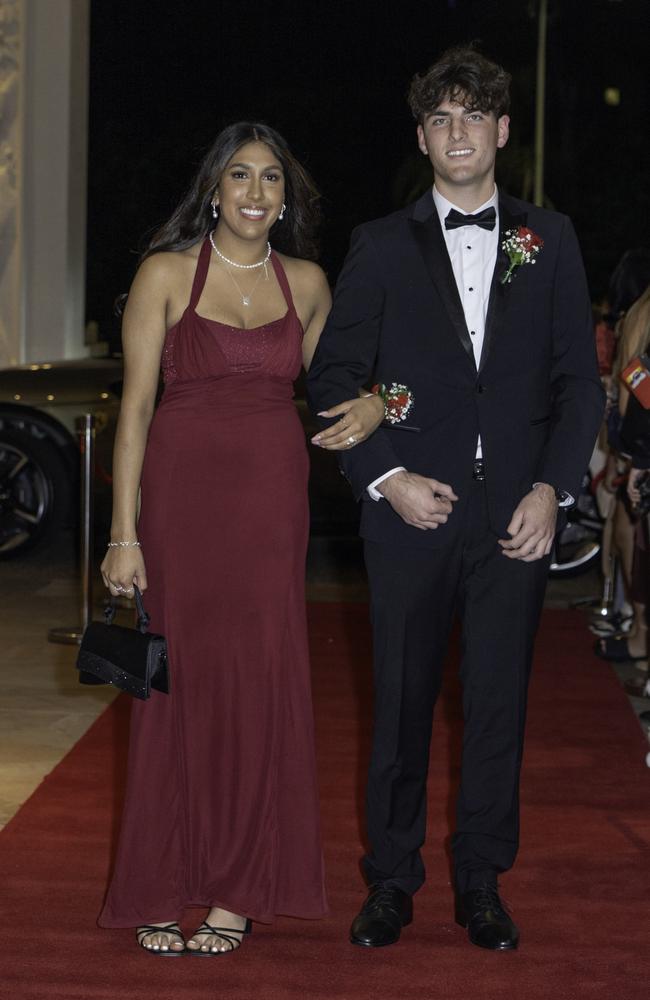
(460, 498)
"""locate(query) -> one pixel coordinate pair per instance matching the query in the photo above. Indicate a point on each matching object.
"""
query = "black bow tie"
(485, 219)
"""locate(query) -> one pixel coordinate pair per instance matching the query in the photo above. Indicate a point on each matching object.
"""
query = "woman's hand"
(121, 568)
(359, 419)
(632, 489)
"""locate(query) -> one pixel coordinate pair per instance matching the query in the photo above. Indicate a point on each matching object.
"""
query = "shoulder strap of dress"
(282, 279)
(201, 273)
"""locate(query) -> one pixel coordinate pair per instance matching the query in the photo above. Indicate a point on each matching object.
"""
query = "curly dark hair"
(464, 76)
(192, 220)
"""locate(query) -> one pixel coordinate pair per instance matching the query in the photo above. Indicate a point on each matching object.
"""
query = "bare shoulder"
(166, 269)
(162, 283)
(311, 294)
(304, 275)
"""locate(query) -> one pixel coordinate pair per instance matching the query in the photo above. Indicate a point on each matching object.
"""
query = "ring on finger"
(351, 440)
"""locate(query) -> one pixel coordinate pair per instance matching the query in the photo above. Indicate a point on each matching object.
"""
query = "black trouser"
(414, 592)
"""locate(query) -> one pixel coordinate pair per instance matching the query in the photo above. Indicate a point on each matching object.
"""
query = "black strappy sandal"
(227, 933)
(173, 928)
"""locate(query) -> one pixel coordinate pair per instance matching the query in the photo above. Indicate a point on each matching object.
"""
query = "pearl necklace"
(233, 263)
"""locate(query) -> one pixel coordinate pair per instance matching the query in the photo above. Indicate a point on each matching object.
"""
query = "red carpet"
(580, 890)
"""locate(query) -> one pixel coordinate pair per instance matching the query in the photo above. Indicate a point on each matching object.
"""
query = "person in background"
(635, 341)
(630, 279)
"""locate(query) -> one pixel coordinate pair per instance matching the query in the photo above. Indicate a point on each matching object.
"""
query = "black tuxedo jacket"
(536, 398)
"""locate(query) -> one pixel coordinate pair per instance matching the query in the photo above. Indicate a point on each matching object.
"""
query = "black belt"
(479, 470)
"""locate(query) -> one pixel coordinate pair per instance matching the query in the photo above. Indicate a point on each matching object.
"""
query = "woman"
(629, 280)
(635, 341)
(221, 807)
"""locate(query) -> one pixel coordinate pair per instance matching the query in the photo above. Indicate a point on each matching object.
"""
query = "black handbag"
(132, 659)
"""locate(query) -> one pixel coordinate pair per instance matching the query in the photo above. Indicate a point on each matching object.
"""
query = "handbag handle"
(143, 617)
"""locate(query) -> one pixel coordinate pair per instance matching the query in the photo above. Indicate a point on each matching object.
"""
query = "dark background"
(332, 77)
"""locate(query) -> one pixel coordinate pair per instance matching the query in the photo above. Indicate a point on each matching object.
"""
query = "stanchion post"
(86, 431)
(85, 427)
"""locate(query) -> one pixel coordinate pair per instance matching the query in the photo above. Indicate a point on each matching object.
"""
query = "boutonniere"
(522, 246)
(398, 401)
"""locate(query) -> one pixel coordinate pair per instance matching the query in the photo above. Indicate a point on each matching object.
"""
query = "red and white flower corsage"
(522, 246)
(398, 401)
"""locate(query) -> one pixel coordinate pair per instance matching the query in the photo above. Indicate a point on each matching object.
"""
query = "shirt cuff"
(373, 492)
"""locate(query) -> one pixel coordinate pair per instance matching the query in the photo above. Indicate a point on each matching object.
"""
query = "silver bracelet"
(124, 545)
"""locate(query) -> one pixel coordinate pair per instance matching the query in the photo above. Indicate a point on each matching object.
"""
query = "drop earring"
(283, 210)
(215, 210)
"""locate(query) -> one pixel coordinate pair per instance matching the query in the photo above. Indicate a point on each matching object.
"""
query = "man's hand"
(423, 503)
(532, 526)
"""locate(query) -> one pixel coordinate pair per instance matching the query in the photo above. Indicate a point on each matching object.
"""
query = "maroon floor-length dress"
(221, 804)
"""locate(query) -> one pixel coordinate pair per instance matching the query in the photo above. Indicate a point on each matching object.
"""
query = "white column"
(43, 154)
(10, 163)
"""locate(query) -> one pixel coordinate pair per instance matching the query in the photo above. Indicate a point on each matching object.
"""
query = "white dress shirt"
(473, 253)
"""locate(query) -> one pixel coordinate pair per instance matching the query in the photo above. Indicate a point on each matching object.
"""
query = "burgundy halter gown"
(221, 805)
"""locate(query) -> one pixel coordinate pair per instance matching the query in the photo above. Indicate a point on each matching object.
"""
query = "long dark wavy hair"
(192, 219)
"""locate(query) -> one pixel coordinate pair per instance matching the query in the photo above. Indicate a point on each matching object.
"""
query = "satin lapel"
(499, 292)
(431, 243)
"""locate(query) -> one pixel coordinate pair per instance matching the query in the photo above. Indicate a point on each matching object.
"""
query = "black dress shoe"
(382, 917)
(488, 923)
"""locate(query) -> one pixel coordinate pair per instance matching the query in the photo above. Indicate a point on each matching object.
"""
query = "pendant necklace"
(246, 299)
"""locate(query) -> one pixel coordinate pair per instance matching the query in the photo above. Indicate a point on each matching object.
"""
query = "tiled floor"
(44, 710)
